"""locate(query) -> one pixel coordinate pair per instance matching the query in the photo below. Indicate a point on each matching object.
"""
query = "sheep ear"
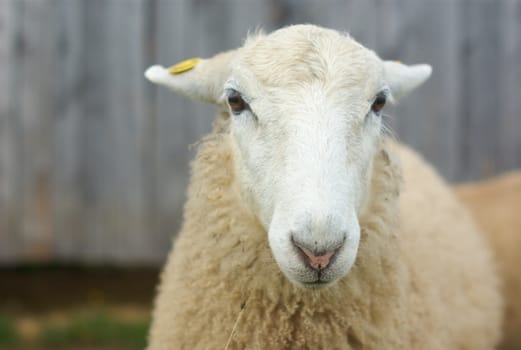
(200, 79)
(402, 79)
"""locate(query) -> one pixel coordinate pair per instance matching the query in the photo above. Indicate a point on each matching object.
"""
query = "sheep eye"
(378, 103)
(236, 102)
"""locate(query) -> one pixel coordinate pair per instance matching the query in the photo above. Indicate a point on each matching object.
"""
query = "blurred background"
(94, 160)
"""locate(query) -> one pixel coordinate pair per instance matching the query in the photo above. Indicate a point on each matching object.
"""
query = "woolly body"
(496, 205)
(427, 285)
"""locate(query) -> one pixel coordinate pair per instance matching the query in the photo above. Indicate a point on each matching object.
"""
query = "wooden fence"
(94, 160)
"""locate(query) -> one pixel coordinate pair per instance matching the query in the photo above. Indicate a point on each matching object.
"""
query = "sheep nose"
(316, 260)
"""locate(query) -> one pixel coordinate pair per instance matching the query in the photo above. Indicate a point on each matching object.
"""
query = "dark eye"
(236, 102)
(378, 103)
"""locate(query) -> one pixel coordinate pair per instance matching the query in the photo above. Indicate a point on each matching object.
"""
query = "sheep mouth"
(317, 284)
(320, 281)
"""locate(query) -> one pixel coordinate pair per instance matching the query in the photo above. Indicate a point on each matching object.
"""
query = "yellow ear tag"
(184, 66)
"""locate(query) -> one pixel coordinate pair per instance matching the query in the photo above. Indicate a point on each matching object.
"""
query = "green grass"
(96, 328)
(85, 328)
(8, 335)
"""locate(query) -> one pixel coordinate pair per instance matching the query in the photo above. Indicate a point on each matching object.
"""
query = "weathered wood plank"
(480, 87)
(126, 111)
(149, 152)
(68, 89)
(508, 148)
(33, 72)
(96, 143)
(10, 201)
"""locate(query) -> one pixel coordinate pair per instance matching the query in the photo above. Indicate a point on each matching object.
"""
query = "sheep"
(496, 204)
(292, 234)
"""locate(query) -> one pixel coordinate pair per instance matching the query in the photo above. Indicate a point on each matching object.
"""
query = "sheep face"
(305, 119)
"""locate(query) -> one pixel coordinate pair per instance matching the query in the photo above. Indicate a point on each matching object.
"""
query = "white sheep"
(296, 231)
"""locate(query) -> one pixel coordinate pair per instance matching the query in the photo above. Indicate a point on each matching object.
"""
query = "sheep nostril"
(317, 261)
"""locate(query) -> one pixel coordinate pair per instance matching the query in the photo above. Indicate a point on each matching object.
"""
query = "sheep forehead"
(302, 54)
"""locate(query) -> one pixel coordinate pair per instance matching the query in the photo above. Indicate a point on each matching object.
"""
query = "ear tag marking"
(184, 66)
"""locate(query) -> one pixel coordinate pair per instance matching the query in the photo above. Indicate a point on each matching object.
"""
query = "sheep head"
(305, 122)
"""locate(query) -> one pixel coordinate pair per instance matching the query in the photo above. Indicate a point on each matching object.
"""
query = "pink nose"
(317, 262)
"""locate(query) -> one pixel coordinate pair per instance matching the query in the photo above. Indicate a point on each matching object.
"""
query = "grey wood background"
(94, 160)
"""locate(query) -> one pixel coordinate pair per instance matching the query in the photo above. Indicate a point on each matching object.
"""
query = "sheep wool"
(424, 277)
(496, 205)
